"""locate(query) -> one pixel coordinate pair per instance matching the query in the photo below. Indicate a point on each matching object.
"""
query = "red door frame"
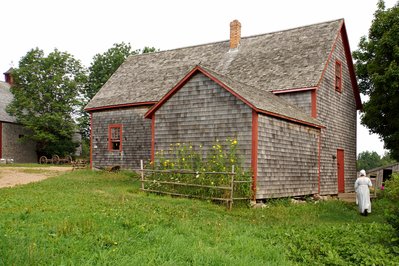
(341, 170)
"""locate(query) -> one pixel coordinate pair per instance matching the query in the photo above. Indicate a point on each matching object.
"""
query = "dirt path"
(12, 176)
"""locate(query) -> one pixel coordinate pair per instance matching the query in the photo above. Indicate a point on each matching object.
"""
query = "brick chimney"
(8, 76)
(235, 34)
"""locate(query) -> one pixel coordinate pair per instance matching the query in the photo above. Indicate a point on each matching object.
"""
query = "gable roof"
(5, 98)
(275, 61)
(259, 100)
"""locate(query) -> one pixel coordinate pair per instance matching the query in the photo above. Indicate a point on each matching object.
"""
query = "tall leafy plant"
(46, 99)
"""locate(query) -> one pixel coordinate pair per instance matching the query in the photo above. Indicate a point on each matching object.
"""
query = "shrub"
(211, 170)
(391, 192)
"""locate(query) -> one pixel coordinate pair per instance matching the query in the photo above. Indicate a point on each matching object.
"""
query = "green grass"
(98, 218)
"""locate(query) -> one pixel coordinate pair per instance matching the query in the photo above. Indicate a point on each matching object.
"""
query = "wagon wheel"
(56, 159)
(69, 159)
(43, 160)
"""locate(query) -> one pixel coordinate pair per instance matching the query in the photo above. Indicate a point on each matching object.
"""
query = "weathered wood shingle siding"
(200, 113)
(287, 159)
(337, 111)
(136, 137)
(13, 147)
(301, 99)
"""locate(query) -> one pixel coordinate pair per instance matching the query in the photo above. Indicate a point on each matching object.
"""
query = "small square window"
(338, 76)
(115, 137)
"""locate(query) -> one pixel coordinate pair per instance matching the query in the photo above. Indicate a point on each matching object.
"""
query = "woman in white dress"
(362, 185)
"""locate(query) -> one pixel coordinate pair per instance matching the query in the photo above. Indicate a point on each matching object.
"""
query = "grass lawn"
(97, 218)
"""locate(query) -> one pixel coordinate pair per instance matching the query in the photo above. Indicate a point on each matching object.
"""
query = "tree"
(387, 159)
(105, 64)
(368, 160)
(101, 69)
(46, 97)
(377, 66)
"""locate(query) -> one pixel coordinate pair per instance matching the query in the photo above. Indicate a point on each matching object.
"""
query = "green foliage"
(46, 98)
(101, 69)
(391, 192)
(368, 160)
(96, 218)
(85, 149)
(105, 64)
(377, 67)
(210, 169)
(387, 159)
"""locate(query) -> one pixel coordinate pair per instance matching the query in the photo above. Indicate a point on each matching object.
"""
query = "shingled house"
(289, 97)
(11, 147)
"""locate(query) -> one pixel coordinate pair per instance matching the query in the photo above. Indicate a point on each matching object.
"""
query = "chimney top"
(235, 34)
(8, 76)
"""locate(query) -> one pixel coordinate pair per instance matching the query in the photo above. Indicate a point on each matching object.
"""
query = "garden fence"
(229, 188)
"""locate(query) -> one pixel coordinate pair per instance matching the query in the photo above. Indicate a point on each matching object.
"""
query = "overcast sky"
(87, 27)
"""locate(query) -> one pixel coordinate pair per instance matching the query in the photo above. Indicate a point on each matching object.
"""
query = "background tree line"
(50, 93)
(369, 160)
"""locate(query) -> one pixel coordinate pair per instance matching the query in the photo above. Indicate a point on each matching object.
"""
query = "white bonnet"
(362, 172)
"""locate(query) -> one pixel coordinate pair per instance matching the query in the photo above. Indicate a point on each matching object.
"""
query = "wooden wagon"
(55, 160)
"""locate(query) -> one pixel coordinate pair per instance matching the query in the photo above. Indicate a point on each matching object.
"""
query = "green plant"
(391, 193)
(211, 170)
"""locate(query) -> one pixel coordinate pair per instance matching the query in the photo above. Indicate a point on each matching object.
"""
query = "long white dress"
(362, 185)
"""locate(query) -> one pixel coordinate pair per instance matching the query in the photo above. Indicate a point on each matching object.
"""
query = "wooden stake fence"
(230, 188)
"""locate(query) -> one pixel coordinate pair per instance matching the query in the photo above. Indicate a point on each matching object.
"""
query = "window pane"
(115, 133)
(115, 145)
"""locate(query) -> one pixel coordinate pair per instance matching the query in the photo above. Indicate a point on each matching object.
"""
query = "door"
(341, 170)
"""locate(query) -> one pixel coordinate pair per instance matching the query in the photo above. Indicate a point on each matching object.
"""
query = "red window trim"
(338, 76)
(110, 127)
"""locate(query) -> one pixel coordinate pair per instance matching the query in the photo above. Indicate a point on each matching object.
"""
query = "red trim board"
(119, 106)
(294, 90)
(349, 61)
(351, 67)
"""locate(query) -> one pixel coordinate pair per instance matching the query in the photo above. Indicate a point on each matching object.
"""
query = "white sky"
(87, 27)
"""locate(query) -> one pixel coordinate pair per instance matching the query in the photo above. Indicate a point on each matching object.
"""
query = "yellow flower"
(234, 142)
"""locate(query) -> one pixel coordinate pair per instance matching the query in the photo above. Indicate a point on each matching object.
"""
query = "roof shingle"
(281, 60)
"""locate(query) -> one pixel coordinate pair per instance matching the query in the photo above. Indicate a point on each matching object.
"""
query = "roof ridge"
(246, 37)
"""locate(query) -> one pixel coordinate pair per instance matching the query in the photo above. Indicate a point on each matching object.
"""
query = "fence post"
(142, 174)
(231, 188)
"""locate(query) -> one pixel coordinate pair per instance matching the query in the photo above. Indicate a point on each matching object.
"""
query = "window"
(115, 137)
(338, 76)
